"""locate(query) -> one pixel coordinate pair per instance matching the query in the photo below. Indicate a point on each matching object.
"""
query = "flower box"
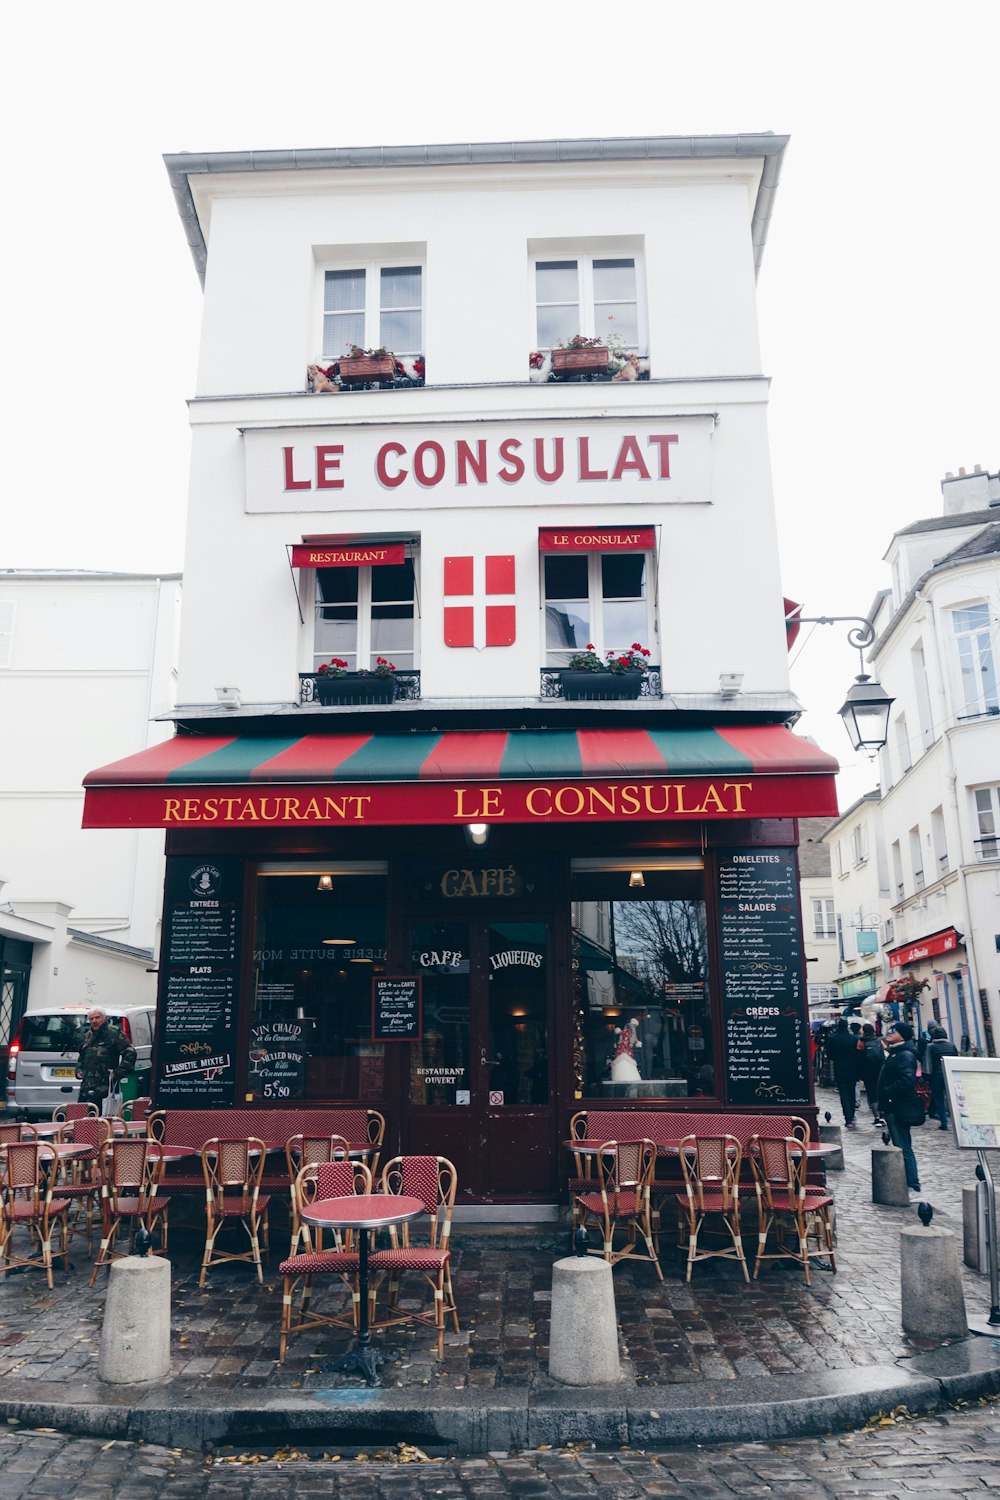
(580, 361)
(354, 687)
(362, 369)
(577, 684)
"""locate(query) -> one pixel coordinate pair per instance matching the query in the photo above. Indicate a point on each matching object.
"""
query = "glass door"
(480, 1076)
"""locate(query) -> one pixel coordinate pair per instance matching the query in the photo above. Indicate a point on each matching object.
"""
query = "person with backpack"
(938, 1047)
(871, 1059)
(897, 1096)
(842, 1050)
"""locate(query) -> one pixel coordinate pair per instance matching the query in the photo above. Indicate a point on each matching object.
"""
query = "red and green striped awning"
(514, 776)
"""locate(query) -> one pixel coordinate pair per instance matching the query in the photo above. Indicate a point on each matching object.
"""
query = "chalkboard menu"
(396, 1009)
(199, 994)
(764, 1006)
(277, 1060)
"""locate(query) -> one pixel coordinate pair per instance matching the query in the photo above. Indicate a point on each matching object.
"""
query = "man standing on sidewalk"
(938, 1047)
(897, 1096)
(842, 1050)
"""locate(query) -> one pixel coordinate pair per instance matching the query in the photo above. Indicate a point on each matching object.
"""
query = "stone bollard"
(889, 1177)
(135, 1338)
(931, 1284)
(974, 1225)
(583, 1337)
(830, 1135)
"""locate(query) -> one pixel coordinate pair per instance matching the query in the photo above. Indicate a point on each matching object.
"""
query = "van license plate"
(63, 1072)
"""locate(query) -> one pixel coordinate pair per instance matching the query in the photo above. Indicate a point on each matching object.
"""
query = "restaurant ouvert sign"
(465, 464)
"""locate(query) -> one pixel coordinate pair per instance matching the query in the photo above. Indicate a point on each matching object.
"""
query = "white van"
(41, 1068)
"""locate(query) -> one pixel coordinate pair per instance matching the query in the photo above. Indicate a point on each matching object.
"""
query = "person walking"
(897, 1096)
(938, 1047)
(106, 1057)
(872, 1059)
(842, 1050)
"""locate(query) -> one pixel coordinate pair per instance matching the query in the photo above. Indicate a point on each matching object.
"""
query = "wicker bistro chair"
(233, 1170)
(130, 1172)
(786, 1204)
(135, 1109)
(583, 1179)
(83, 1187)
(626, 1173)
(66, 1114)
(434, 1181)
(29, 1200)
(16, 1130)
(302, 1151)
(313, 1182)
(710, 1166)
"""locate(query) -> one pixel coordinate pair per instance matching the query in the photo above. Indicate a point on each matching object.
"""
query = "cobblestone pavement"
(716, 1328)
(956, 1454)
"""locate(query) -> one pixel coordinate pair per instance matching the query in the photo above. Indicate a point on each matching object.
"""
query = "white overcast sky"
(878, 294)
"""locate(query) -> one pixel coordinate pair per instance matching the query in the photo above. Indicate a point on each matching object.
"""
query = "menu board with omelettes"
(199, 983)
(764, 1001)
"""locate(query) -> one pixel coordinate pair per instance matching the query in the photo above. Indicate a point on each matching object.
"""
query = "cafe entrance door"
(481, 1077)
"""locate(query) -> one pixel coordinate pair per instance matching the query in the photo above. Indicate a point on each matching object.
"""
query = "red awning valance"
(596, 539)
(514, 776)
(347, 552)
(943, 941)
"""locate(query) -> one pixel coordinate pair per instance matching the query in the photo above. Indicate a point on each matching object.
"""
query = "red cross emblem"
(496, 625)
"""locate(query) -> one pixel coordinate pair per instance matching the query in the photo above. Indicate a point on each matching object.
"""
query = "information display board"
(764, 1006)
(277, 1060)
(396, 1008)
(974, 1100)
(197, 1014)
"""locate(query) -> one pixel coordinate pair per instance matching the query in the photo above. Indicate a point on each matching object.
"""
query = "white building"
(819, 929)
(87, 660)
(527, 864)
(937, 845)
(860, 890)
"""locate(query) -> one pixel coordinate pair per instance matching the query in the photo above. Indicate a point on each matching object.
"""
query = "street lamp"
(865, 710)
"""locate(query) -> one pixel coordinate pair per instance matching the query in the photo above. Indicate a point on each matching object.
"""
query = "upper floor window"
(373, 306)
(859, 843)
(976, 663)
(988, 818)
(594, 295)
(824, 925)
(366, 612)
(595, 598)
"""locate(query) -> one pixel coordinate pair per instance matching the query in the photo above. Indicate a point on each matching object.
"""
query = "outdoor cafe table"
(363, 1212)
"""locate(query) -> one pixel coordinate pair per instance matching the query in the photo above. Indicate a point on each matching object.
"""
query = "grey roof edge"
(959, 557)
(873, 796)
(109, 945)
(182, 166)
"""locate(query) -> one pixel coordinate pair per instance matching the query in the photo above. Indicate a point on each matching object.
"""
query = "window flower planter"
(576, 684)
(589, 360)
(363, 369)
(354, 687)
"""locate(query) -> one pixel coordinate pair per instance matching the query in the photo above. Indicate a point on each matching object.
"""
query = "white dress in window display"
(624, 1068)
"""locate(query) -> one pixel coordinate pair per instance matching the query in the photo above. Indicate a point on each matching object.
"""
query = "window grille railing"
(988, 848)
(407, 687)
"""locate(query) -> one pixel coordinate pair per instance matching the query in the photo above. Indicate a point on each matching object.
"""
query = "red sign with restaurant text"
(595, 539)
(356, 555)
(939, 942)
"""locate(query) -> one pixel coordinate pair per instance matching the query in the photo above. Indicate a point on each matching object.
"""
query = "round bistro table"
(363, 1212)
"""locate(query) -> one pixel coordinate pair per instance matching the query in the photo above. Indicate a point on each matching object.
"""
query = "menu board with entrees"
(197, 1014)
(764, 1006)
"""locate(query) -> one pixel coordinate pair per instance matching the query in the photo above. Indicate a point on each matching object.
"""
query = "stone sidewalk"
(716, 1347)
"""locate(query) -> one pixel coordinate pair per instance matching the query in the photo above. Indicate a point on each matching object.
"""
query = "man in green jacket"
(106, 1057)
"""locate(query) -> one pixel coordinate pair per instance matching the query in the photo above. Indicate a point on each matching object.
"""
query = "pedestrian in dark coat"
(897, 1095)
(872, 1060)
(939, 1046)
(106, 1056)
(842, 1050)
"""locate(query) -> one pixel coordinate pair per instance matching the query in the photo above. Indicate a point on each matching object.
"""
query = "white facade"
(861, 899)
(87, 660)
(477, 233)
(937, 656)
(819, 930)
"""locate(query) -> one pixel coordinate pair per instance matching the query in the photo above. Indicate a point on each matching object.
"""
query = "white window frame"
(585, 256)
(978, 647)
(823, 918)
(988, 843)
(372, 269)
(596, 603)
(365, 653)
(859, 844)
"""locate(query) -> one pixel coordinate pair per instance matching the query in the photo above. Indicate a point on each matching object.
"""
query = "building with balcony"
(483, 743)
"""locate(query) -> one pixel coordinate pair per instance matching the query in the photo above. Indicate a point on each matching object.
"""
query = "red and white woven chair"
(710, 1166)
(29, 1200)
(425, 1250)
(314, 1182)
(626, 1174)
(233, 1170)
(130, 1173)
(303, 1151)
(83, 1187)
(65, 1114)
(787, 1206)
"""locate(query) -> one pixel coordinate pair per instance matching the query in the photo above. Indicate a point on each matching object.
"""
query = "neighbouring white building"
(87, 661)
(426, 861)
(819, 930)
(930, 845)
